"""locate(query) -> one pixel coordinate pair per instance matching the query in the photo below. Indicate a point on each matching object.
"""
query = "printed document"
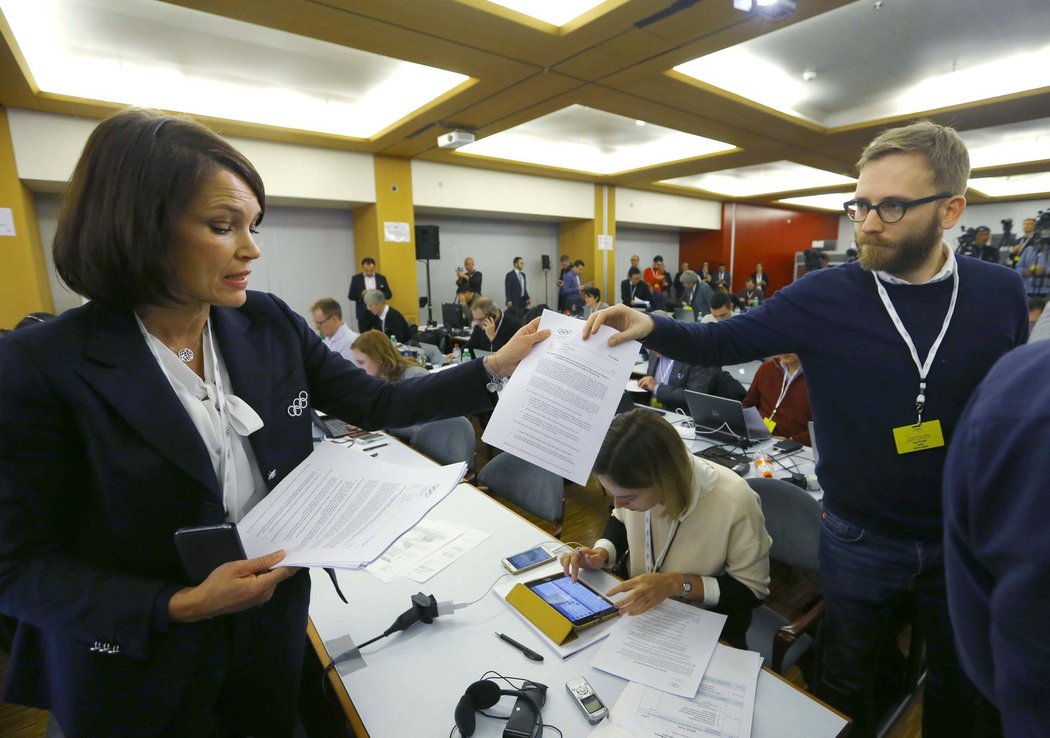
(343, 509)
(723, 708)
(667, 647)
(561, 398)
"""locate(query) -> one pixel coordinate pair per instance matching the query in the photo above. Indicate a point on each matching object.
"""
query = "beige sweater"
(722, 531)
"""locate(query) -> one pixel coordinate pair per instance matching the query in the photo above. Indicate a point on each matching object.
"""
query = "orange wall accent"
(769, 235)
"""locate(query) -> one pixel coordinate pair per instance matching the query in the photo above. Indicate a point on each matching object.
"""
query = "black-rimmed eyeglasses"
(890, 211)
(319, 323)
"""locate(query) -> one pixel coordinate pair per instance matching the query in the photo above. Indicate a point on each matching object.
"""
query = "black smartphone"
(787, 445)
(205, 547)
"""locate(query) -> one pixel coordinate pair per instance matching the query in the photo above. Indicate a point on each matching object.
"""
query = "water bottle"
(763, 466)
(457, 355)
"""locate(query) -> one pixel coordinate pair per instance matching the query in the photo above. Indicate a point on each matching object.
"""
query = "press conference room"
(720, 136)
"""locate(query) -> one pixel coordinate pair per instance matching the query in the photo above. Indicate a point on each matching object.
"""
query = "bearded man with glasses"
(905, 337)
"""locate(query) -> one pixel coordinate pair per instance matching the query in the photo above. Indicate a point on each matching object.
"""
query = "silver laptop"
(722, 419)
(685, 315)
(434, 355)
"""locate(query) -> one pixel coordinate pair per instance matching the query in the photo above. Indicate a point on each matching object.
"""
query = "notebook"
(719, 418)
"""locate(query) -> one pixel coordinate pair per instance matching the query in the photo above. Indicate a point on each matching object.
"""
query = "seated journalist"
(709, 542)
(174, 397)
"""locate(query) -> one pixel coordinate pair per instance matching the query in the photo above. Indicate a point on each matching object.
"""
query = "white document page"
(558, 405)
(667, 647)
(723, 708)
(426, 539)
(343, 509)
(446, 555)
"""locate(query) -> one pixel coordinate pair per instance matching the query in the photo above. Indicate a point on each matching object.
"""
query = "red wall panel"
(769, 235)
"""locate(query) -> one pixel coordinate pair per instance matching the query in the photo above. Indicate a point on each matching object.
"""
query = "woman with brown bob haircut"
(709, 541)
(175, 398)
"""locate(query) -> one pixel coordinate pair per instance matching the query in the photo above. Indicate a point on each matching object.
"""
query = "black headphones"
(486, 693)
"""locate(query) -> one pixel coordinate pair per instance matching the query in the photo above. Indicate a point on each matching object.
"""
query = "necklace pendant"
(185, 354)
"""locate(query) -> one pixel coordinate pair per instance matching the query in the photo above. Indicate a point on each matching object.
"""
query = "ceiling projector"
(455, 139)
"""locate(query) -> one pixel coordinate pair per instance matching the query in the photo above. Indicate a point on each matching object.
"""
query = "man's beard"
(903, 256)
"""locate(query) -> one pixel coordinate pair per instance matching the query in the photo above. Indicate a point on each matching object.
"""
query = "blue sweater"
(861, 378)
(997, 551)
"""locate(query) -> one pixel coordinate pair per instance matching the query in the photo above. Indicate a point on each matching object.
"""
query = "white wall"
(643, 208)
(493, 244)
(307, 253)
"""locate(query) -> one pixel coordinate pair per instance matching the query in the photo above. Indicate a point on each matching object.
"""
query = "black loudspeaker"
(546, 262)
(486, 693)
(427, 244)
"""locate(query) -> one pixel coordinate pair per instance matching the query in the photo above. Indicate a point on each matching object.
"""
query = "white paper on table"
(600, 580)
(723, 707)
(408, 551)
(343, 509)
(633, 386)
(667, 647)
(448, 553)
(561, 399)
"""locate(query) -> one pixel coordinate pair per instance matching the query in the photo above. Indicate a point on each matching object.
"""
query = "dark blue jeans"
(863, 575)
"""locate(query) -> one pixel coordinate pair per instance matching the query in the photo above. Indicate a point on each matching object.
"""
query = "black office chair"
(793, 521)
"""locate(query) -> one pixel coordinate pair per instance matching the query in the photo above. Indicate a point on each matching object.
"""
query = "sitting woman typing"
(685, 528)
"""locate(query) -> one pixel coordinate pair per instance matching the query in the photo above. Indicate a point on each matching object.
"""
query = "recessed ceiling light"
(555, 12)
(762, 179)
(824, 202)
(593, 141)
(150, 54)
(1013, 186)
(1010, 144)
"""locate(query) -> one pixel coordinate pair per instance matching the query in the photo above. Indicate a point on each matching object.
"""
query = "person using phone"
(468, 276)
(708, 539)
(492, 327)
(174, 398)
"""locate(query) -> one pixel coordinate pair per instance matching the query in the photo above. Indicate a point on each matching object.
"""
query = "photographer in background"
(1034, 255)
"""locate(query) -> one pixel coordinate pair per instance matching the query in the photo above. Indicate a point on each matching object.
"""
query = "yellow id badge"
(771, 424)
(911, 438)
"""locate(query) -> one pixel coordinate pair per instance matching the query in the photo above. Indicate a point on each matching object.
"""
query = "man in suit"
(721, 278)
(492, 327)
(633, 291)
(366, 279)
(668, 380)
(467, 276)
(696, 294)
(516, 290)
(382, 317)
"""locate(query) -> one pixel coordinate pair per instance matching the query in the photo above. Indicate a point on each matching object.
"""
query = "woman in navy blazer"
(100, 461)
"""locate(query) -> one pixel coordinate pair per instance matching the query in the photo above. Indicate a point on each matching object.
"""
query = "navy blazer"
(100, 464)
(396, 325)
(357, 285)
(516, 295)
(711, 380)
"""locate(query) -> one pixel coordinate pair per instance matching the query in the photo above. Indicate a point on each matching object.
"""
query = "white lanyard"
(649, 568)
(226, 463)
(923, 367)
(784, 385)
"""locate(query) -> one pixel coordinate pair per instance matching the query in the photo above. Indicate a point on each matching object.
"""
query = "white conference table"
(410, 683)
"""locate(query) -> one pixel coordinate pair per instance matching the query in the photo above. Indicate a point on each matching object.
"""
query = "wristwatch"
(687, 586)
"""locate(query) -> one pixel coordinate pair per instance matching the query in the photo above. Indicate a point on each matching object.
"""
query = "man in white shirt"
(721, 308)
(328, 319)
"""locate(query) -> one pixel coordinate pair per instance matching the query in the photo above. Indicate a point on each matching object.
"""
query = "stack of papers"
(343, 509)
(425, 550)
(723, 707)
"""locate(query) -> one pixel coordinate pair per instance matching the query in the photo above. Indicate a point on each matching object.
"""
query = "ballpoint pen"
(529, 653)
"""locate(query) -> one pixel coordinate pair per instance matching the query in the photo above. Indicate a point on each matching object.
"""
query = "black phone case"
(204, 548)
